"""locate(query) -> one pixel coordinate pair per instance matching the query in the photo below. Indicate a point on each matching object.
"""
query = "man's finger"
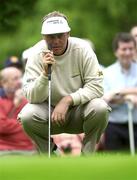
(55, 119)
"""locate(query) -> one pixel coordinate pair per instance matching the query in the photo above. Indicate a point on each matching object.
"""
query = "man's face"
(57, 42)
(13, 81)
(125, 53)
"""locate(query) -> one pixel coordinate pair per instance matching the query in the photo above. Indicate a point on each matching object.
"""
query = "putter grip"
(49, 72)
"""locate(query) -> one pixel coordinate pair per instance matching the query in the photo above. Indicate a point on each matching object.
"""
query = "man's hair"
(5, 73)
(54, 14)
(122, 37)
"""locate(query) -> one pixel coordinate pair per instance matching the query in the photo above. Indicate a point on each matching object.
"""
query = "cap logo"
(54, 25)
(55, 21)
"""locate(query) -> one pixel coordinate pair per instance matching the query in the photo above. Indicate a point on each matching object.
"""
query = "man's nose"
(56, 39)
(19, 81)
(128, 52)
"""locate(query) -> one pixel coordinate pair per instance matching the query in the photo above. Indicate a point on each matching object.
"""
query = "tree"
(12, 11)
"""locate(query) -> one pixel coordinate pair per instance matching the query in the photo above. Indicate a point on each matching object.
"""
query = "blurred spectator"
(134, 34)
(69, 143)
(25, 55)
(12, 137)
(0, 80)
(120, 82)
(2, 93)
(13, 61)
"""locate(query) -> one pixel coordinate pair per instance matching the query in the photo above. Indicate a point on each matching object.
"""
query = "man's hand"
(48, 58)
(59, 113)
(18, 97)
(117, 99)
(131, 98)
(114, 97)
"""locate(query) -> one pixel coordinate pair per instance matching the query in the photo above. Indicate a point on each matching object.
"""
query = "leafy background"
(96, 20)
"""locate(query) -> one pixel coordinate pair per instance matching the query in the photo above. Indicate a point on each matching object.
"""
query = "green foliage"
(96, 20)
(12, 11)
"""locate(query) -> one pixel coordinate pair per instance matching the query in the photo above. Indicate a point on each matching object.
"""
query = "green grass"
(97, 167)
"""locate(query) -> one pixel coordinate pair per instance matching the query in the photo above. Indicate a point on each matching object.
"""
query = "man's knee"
(96, 114)
(97, 107)
(26, 114)
(96, 118)
(33, 114)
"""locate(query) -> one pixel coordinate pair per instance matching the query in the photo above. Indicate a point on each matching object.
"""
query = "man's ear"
(2, 82)
(1, 79)
(68, 34)
(43, 37)
(116, 53)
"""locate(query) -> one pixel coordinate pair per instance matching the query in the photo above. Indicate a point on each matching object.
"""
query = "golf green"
(97, 167)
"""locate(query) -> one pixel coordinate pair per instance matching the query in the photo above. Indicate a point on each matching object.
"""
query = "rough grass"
(97, 167)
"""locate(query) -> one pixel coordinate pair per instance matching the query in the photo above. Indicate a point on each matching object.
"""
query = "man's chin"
(57, 51)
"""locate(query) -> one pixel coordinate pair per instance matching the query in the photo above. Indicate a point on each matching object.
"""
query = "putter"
(130, 107)
(49, 106)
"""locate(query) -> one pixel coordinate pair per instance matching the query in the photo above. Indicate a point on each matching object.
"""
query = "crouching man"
(76, 86)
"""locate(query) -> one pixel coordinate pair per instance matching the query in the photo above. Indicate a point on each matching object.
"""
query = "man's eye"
(60, 35)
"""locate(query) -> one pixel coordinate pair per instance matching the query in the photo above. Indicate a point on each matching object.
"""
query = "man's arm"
(35, 78)
(59, 112)
(128, 91)
(121, 96)
(93, 81)
(7, 125)
(35, 82)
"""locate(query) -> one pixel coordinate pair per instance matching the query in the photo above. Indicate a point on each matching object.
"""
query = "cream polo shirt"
(76, 73)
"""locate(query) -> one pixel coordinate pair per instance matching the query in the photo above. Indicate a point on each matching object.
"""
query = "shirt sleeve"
(92, 77)
(34, 82)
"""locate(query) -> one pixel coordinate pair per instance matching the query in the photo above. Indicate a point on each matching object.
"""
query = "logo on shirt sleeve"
(100, 73)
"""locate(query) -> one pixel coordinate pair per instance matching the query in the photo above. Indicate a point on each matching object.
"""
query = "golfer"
(76, 87)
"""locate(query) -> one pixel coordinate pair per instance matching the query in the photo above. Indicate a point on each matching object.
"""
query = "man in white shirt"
(120, 85)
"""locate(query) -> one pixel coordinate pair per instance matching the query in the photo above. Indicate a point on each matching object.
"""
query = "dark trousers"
(117, 136)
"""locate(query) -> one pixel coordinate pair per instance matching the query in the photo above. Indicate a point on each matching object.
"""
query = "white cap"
(54, 25)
